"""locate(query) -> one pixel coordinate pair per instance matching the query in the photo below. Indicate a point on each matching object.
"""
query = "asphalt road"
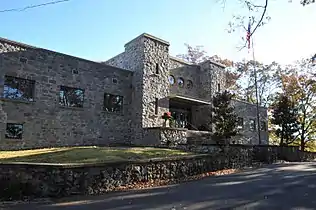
(282, 186)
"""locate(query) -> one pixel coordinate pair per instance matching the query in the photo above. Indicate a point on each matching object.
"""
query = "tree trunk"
(303, 141)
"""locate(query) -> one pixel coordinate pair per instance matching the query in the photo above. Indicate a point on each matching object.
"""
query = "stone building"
(52, 99)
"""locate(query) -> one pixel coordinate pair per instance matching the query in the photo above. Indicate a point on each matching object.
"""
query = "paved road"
(281, 186)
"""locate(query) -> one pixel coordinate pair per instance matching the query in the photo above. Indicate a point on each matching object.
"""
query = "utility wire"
(32, 6)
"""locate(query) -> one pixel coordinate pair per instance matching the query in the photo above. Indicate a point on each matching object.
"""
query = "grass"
(87, 154)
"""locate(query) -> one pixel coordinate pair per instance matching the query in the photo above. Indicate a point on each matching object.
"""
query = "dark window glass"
(252, 125)
(240, 122)
(180, 82)
(263, 126)
(113, 103)
(18, 88)
(157, 68)
(156, 105)
(219, 87)
(71, 97)
(189, 84)
(14, 131)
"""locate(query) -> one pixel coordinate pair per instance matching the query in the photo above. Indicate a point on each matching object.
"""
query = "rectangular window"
(240, 123)
(219, 87)
(252, 125)
(14, 131)
(156, 105)
(18, 88)
(113, 103)
(71, 97)
(263, 126)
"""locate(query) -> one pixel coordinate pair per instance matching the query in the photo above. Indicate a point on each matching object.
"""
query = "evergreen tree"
(224, 118)
(285, 118)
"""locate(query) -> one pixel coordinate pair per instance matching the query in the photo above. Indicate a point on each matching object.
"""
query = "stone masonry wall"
(18, 181)
(159, 136)
(46, 123)
(248, 112)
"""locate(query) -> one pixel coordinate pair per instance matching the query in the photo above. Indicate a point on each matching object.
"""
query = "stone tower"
(148, 57)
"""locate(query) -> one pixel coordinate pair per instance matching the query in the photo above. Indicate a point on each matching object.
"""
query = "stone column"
(3, 121)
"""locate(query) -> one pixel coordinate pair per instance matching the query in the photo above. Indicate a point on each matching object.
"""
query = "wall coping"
(20, 44)
(100, 164)
(166, 128)
(150, 37)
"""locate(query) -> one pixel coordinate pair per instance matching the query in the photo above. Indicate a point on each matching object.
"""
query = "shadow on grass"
(89, 155)
(283, 186)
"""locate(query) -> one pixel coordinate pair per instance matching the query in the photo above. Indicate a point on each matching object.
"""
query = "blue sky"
(98, 29)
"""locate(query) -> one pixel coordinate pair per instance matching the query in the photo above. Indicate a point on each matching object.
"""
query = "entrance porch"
(189, 113)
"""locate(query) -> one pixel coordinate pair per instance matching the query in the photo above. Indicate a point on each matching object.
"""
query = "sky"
(98, 29)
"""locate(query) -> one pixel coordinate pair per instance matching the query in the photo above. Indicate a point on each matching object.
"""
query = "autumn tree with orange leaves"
(301, 89)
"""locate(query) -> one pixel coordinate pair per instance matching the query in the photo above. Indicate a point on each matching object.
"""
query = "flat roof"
(189, 100)
(51, 51)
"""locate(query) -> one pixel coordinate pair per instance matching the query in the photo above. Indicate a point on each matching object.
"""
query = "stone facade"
(141, 75)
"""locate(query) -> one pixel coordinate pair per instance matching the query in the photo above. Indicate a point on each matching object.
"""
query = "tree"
(267, 82)
(302, 90)
(257, 18)
(224, 118)
(285, 115)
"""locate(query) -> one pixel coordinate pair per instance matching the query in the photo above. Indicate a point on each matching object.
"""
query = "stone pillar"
(3, 121)
(148, 57)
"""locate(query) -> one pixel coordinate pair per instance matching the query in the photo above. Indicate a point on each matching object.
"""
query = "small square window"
(23, 60)
(240, 123)
(14, 131)
(18, 88)
(114, 80)
(113, 103)
(71, 97)
(252, 125)
(75, 71)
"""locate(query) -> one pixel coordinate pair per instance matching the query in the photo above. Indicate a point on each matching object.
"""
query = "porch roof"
(188, 100)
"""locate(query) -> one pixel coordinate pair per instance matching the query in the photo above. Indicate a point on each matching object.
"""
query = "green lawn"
(86, 154)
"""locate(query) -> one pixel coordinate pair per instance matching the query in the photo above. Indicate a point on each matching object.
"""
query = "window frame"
(121, 111)
(254, 127)
(31, 88)
(241, 127)
(263, 128)
(14, 138)
(71, 88)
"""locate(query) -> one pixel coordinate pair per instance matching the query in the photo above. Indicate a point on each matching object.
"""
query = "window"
(23, 60)
(113, 103)
(71, 97)
(252, 125)
(157, 68)
(219, 87)
(189, 84)
(114, 80)
(171, 80)
(14, 131)
(181, 82)
(18, 88)
(156, 105)
(263, 126)
(240, 123)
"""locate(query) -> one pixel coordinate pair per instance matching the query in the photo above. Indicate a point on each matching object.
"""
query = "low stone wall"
(34, 180)
(167, 136)
(253, 153)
